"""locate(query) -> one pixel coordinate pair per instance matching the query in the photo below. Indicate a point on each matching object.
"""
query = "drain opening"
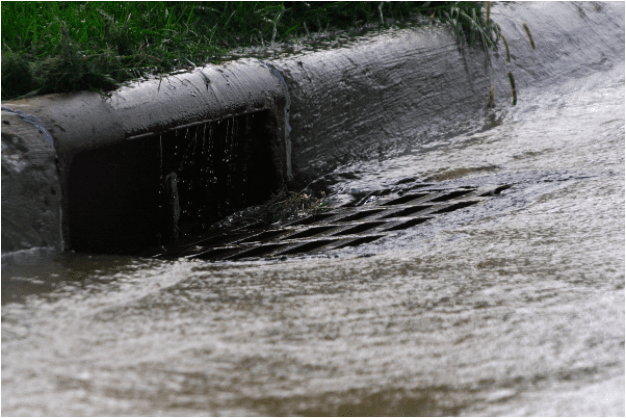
(213, 254)
(456, 206)
(408, 211)
(310, 232)
(359, 241)
(360, 215)
(218, 240)
(314, 218)
(308, 247)
(450, 196)
(258, 251)
(265, 236)
(359, 228)
(408, 224)
(405, 199)
(311, 238)
(498, 190)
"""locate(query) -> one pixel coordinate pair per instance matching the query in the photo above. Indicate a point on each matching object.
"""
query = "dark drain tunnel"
(155, 189)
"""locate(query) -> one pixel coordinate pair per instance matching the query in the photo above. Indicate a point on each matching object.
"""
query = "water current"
(515, 307)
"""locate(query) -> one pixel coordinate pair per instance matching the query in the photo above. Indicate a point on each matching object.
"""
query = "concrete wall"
(31, 193)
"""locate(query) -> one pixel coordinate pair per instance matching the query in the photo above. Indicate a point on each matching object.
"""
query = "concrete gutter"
(342, 105)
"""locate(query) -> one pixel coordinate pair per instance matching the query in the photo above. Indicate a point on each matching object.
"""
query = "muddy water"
(514, 307)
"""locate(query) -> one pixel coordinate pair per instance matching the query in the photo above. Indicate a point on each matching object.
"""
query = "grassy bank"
(66, 46)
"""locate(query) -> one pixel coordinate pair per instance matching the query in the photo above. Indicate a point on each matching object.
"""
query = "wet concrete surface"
(513, 307)
(30, 189)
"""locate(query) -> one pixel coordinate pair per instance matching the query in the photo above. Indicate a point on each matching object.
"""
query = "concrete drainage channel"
(332, 229)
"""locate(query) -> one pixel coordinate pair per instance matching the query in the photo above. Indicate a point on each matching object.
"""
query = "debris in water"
(530, 36)
(513, 91)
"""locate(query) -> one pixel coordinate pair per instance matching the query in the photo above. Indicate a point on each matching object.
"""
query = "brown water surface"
(513, 307)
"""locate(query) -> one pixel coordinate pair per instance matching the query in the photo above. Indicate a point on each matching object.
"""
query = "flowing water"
(513, 307)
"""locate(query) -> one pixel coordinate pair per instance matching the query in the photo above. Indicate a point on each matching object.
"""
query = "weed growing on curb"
(467, 24)
(498, 30)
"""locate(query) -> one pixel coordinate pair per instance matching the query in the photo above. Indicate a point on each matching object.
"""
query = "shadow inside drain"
(264, 236)
(450, 196)
(353, 230)
(456, 206)
(408, 211)
(405, 199)
(359, 228)
(213, 254)
(360, 215)
(309, 246)
(359, 241)
(310, 232)
(409, 224)
(258, 251)
(219, 240)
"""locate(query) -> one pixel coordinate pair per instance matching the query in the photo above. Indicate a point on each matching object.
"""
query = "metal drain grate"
(332, 229)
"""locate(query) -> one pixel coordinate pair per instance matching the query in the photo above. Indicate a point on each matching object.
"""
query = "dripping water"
(210, 170)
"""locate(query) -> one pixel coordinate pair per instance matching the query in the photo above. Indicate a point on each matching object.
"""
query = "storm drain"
(334, 228)
(152, 189)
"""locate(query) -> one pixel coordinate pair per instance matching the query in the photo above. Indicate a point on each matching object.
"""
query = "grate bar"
(405, 199)
(334, 229)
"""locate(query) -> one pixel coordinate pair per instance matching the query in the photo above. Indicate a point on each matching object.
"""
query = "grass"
(66, 46)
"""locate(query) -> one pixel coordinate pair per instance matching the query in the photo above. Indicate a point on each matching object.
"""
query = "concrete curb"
(365, 101)
(343, 105)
